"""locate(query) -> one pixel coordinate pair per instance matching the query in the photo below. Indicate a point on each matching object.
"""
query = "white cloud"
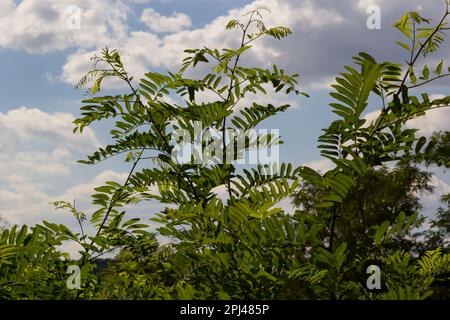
(145, 50)
(26, 201)
(148, 1)
(371, 117)
(72, 248)
(323, 84)
(36, 148)
(82, 192)
(321, 166)
(387, 4)
(37, 165)
(34, 125)
(433, 121)
(76, 66)
(326, 34)
(286, 205)
(441, 188)
(22, 201)
(41, 25)
(159, 23)
(54, 163)
(6, 7)
(364, 4)
(276, 99)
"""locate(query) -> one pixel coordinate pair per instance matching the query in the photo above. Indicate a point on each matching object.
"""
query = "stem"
(422, 46)
(408, 116)
(429, 80)
(332, 230)
(112, 202)
(79, 220)
(230, 89)
(412, 62)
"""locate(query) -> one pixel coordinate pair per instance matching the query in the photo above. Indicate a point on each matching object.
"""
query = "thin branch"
(124, 151)
(230, 89)
(412, 62)
(422, 47)
(408, 116)
(429, 80)
(111, 205)
(79, 220)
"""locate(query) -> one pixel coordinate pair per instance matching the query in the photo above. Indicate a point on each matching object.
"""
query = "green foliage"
(378, 195)
(29, 262)
(240, 243)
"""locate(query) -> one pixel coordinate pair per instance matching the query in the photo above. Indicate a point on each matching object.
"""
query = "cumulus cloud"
(26, 201)
(36, 148)
(44, 26)
(441, 186)
(321, 166)
(270, 98)
(160, 23)
(83, 191)
(32, 124)
(54, 163)
(432, 200)
(433, 121)
(22, 201)
(326, 33)
(371, 117)
(145, 50)
(6, 7)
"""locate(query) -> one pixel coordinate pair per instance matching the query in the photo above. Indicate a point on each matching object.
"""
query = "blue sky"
(41, 59)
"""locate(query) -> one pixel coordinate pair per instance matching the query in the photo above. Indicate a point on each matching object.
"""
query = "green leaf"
(380, 232)
(438, 70)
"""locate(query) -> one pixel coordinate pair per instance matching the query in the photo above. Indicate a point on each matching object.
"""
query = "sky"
(44, 52)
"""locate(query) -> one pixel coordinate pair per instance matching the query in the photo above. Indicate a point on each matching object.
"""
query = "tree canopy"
(223, 233)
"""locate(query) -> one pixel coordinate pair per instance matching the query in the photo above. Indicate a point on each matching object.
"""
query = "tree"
(225, 247)
(242, 245)
(379, 195)
(438, 235)
(356, 147)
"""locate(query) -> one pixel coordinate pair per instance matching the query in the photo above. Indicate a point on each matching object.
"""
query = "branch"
(429, 80)
(422, 46)
(413, 61)
(408, 116)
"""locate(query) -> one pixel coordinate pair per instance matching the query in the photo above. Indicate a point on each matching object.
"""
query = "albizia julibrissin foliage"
(242, 246)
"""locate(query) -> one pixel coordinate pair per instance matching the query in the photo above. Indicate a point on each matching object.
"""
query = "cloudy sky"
(42, 56)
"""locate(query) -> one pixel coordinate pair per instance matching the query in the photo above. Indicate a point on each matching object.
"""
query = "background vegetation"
(364, 211)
